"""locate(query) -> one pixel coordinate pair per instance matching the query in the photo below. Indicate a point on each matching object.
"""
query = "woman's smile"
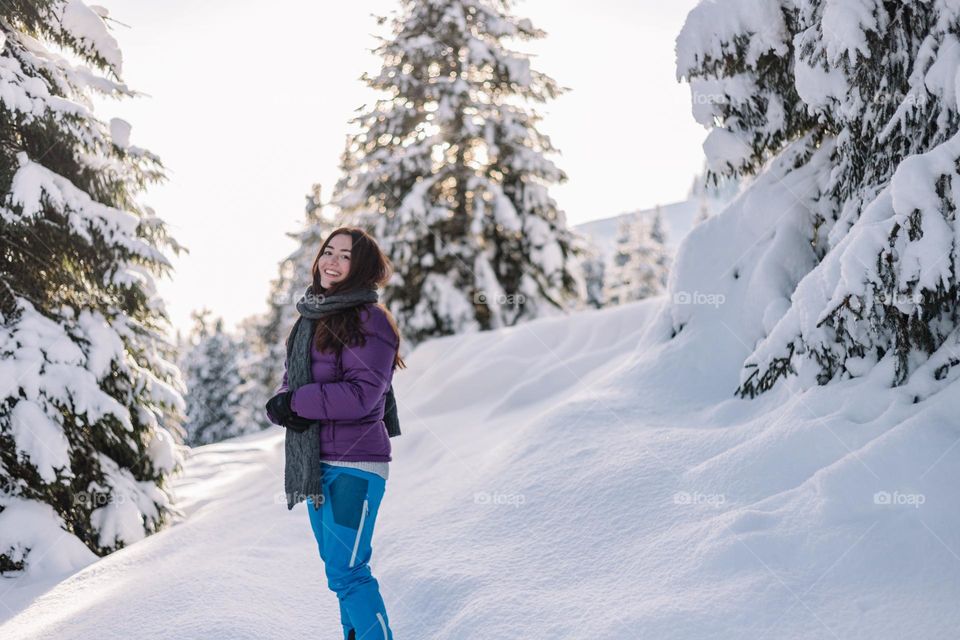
(334, 263)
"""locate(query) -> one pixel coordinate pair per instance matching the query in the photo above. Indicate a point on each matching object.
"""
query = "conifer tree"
(594, 273)
(875, 96)
(259, 369)
(90, 398)
(615, 281)
(641, 263)
(450, 173)
(215, 386)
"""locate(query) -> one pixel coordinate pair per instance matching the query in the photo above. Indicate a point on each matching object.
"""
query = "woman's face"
(334, 263)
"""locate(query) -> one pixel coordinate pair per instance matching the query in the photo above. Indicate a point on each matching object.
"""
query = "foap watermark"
(290, 297)
(897, 499)
(497, 498)
(499, 299)
(699, 297)
(283, 498)
(900, 98)
(281, 298)
(695, 497)
(96, 499)
(698, 97)
(897, 298)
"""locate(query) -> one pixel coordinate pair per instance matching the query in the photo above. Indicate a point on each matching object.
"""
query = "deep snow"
(578, 477)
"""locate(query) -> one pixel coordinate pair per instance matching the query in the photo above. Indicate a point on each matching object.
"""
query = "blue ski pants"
(343, 526)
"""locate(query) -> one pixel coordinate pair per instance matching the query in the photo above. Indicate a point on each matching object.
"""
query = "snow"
(33, 184)
(86, 25)
(642, 263)
(574, 472)
(34, 525)
(486, 111)
(84, 378)
(162, 450)
(46, 373)
(816, 85)
(711, 27)
(941, 77)
(490, 292)
(104, 345)
(43, 363)
(844, 25)
(926, 262)
(129, 505)
(120, 132)
(442, 299)
(884, 93)
(587, 474)
(678, 218)
(723, 148)
(217, 386)
(41, 438)
(705, 93)
(29, 95)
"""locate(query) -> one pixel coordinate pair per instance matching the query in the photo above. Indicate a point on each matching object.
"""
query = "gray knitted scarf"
(301, 474)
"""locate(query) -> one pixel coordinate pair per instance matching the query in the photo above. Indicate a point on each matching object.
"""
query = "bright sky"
(248, 104)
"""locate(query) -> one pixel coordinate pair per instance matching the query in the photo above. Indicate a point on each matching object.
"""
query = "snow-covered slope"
(588, 476)
(678, 219)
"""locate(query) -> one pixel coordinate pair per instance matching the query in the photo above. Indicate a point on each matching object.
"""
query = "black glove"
(298, 423)
(279, 406)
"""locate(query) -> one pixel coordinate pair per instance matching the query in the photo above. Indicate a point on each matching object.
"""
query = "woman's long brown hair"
(369, 269)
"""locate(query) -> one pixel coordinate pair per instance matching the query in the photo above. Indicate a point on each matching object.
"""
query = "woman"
(341, 355)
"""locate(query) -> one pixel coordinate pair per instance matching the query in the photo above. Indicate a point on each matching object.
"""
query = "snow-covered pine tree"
(594, 273)
(616, 280)
(259, 371)
(653, 259)
(215, 386)
(641, 263)
(90, 398)
(871, 88)
(451, 175)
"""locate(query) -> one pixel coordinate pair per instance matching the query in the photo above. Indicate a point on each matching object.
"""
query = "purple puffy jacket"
(351, 410)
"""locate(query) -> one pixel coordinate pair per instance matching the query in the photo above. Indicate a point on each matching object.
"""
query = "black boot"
(352, 635)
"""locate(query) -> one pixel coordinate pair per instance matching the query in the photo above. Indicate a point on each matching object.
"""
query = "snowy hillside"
(578, 477)
(678, 218)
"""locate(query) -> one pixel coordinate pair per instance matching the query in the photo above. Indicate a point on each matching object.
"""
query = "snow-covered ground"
(575, 477)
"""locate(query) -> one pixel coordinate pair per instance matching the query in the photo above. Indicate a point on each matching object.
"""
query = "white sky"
(248, 106)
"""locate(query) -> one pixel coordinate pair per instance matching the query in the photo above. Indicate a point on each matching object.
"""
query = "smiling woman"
(341, 354)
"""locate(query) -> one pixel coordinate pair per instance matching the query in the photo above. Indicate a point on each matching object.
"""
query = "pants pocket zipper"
(356, 541)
